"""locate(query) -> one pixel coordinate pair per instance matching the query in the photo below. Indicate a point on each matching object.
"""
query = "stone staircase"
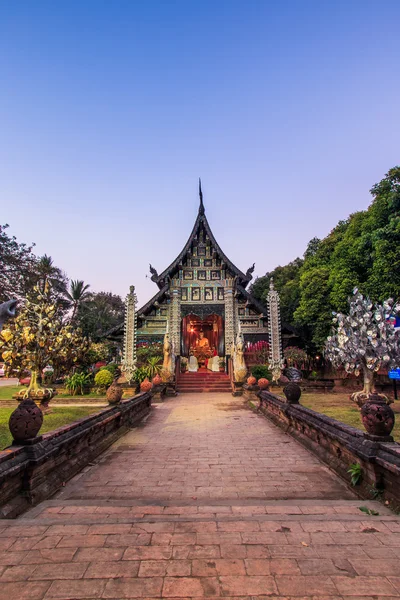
(203, 381)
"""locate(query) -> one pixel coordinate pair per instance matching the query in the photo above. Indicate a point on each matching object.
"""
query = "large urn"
(377, 416)
(26, 421)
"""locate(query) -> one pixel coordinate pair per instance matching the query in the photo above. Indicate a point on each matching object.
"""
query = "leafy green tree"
(99, 313)
(17, 266)
(286, 281)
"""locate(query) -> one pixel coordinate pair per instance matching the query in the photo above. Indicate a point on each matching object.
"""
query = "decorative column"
(274, 332)
(130, 329)
(175, 322)
(229, 320)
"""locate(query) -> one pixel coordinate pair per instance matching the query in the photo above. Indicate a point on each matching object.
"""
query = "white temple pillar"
(229, 320)
(274, 332)
(130, 330)
(175, 321)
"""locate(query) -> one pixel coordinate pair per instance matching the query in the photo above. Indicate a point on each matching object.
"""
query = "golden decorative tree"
(37, 337)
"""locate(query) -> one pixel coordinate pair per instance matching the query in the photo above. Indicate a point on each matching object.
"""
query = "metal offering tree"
(364, 341)
(37, 337)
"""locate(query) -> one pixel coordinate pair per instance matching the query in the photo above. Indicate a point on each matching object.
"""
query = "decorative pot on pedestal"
(292, 392)
(263, 383)
(146, 385)
(114, 393)
(251, 389)
(158, 389)
(26, 421)
(377, 416)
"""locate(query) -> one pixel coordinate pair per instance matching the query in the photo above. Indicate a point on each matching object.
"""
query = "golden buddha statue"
(202, 341)
(201, 350)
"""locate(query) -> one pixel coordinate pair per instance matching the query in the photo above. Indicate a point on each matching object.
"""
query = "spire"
(201, 207)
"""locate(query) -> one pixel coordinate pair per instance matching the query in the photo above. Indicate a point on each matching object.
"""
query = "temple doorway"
(202, 337)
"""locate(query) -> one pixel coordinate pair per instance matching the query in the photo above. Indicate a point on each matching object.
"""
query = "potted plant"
(184, 362)
(222, 364)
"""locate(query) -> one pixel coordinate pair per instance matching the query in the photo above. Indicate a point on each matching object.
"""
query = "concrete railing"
(34, 471)
(339, 446)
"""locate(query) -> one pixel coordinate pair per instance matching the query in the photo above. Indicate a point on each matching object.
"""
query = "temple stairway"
(203, 381)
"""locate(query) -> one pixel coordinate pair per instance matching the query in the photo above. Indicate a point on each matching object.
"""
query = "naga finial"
(154, 274)
(250, 271)
(7, 310)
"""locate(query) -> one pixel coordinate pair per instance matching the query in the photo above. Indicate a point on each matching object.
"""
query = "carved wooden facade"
(202, 281)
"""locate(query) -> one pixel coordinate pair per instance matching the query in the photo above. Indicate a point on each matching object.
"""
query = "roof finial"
(201, 207)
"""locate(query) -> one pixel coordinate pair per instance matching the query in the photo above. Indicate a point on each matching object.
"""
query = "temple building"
(202, 301)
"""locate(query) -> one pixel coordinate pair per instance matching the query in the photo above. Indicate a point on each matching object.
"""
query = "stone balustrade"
(340, 446)
(34, 471)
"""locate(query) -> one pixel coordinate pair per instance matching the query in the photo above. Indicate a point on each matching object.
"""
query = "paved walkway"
(205, 499)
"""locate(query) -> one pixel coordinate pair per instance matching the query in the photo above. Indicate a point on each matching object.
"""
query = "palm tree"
(47, 271)
(77, 295)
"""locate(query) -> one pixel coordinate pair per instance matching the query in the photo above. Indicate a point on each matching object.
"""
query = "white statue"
(193, 366)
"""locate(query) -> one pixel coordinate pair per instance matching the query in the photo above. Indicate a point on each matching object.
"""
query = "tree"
(286, 282)
(101, 312)
(17, 266)
(77, 295)
(37, 337)
(364, 341)
(47, 272)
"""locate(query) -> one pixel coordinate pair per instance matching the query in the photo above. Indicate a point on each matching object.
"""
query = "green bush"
(112, 367)
(145, 352)
(140, 375)
(259, 371)
(77, 382)
(103, 378)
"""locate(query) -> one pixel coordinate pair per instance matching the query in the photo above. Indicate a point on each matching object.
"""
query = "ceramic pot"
(26, 421)
(377, 416)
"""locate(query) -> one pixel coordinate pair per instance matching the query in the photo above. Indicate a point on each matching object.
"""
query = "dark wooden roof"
(201, 220)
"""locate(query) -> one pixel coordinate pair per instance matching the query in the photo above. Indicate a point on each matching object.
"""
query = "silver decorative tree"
(276, 362)
(364, 341)
(130, 330)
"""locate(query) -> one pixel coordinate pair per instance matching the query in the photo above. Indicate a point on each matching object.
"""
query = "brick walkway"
(206, 499)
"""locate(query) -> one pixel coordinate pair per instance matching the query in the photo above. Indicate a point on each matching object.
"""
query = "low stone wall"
(33, 472)
(339, 446)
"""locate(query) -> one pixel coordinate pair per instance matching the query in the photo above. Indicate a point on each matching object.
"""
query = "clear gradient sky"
(111, 110)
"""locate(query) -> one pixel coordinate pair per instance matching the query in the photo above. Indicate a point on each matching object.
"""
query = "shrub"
(112, 367)
(295, 356)
(146, 352)
(77, 382)
(103, 378)
(153, 366)
(140, 374)
(261, 372)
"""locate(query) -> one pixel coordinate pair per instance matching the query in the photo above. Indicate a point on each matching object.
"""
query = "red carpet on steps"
(203, 381)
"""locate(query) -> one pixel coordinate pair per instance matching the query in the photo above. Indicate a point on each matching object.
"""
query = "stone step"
(131, 510)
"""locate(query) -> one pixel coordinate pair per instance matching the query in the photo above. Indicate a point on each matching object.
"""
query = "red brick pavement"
(207, 499)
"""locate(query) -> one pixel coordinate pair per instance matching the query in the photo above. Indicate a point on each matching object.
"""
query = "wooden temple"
(202, 300)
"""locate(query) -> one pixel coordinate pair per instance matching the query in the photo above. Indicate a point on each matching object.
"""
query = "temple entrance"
(202, 337)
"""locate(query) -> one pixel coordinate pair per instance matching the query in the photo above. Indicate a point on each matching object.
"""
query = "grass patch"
(59, 416)
(341, 408)
(7, 392)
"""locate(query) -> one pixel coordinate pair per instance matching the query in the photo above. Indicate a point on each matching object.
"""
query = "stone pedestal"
(250, 392)
(158, 393)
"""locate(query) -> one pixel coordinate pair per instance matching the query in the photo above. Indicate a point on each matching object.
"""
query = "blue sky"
(110, 111)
